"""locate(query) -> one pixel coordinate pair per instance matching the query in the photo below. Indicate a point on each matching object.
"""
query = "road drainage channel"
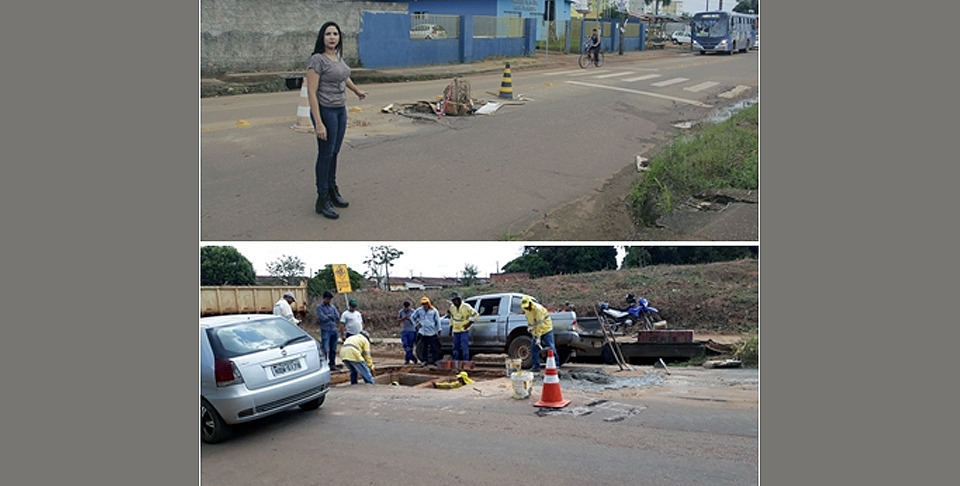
(420, 377)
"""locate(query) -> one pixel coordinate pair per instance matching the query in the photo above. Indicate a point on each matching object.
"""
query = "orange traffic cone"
(304, 125)
(551, 397)
(506, 85)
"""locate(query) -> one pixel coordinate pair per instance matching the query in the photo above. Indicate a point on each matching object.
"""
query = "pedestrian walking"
(462, 316)
(540, 327)
(352, 321)
(282, 308)
(355, 354)
(427, 321)
(328, 78)
(327, 317)
(408, 332)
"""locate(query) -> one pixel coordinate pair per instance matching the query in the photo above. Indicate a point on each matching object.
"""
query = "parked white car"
(680, 37)
(255, 365)
(756, 42)
(428, 31)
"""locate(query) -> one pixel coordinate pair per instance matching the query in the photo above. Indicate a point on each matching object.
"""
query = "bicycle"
(586, 58)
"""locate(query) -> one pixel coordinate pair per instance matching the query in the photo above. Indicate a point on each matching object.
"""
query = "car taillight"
(226, 372)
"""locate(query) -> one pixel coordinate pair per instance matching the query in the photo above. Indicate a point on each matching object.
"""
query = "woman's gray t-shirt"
(333, 80)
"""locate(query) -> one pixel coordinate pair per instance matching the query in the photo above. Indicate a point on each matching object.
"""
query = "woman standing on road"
(327, 79)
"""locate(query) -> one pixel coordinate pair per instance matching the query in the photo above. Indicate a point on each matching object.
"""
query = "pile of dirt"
(712, 299)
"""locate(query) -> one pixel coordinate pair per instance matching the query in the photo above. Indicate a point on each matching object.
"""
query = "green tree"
(324, 280)
(469, 275)
(286, 269)
(540, 261)
(636, 257)
(686, 255)
(224, 265)
(379, 263)
(745, 6)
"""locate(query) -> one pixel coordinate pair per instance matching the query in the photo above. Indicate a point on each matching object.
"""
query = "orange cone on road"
(303, 113)
(506, 85)
(551, 396)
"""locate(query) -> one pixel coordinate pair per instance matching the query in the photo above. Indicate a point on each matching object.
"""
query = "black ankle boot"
(325, 207)
(337, 199)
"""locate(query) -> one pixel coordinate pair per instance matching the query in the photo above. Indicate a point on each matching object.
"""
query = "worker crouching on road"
(541, 328)
(462, 316)
(355, 353)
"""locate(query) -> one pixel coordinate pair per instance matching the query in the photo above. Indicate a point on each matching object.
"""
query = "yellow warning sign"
(342, 277)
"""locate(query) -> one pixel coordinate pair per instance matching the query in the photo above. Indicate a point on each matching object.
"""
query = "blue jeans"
(431, 348)
(328, 343)
(335, 121)
(461, 346)
(408, 338)
(359, 368)
(548, 343)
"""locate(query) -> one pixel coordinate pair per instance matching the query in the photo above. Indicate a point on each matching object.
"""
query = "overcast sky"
(419, 259)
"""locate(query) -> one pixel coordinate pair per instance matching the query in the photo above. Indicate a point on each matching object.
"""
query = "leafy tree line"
(542, 261)
(642, 256)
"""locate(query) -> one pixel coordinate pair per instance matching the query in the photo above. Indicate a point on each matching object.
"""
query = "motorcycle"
(639, 313)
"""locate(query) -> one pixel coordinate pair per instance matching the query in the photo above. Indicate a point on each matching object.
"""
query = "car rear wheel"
(312, 404)
(212, 427)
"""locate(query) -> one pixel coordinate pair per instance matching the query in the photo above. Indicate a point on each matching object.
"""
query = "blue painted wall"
(384, 42)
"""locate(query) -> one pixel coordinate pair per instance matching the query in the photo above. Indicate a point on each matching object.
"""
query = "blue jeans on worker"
(547, 342)
(335, 121)
(431, 348)
(328, 343)
(461, 346)
(408, 338)
(359, 368)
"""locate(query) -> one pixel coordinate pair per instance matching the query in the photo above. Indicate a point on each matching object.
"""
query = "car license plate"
(286, 367)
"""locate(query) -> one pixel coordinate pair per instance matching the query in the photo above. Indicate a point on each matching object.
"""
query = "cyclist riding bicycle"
(594, 47)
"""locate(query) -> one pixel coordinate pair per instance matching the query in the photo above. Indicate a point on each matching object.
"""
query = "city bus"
(720, 31)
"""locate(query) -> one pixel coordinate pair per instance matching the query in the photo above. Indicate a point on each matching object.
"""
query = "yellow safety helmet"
(525, 301)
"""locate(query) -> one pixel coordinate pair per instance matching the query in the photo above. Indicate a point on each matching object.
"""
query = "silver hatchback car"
(255, 365)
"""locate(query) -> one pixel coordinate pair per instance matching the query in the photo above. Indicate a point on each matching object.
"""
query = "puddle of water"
(728, 111)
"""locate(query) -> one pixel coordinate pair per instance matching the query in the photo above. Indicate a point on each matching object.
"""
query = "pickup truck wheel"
(519, 348)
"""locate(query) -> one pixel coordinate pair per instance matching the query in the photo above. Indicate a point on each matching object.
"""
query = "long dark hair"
(319, 47)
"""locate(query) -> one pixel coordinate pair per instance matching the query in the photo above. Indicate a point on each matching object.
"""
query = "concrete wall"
(384, 42)
(275, 35)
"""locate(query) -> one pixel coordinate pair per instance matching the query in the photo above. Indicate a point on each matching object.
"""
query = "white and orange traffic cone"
(304, 125)
(551, 396)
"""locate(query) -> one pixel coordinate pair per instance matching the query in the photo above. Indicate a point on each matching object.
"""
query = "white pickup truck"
(502, 328)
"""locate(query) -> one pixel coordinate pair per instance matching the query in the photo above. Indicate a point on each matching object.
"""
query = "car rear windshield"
(250, 337)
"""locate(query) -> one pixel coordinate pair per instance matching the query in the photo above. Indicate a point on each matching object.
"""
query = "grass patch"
(748, 351)
(719, 156)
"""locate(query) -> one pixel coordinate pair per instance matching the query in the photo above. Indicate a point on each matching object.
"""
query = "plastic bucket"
(513, 366)
(522, 384)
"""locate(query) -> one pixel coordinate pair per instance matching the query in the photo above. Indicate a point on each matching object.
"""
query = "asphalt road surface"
(480, 177)
(693, 426)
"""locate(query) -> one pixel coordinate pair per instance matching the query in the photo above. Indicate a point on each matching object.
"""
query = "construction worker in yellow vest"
(462, 316)
(355, 353)
(541, 328)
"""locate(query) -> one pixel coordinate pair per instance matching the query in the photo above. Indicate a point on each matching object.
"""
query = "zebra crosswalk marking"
(669, 82)
(641, 78)
(613, 75)
(701, 86)
(644, 93)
